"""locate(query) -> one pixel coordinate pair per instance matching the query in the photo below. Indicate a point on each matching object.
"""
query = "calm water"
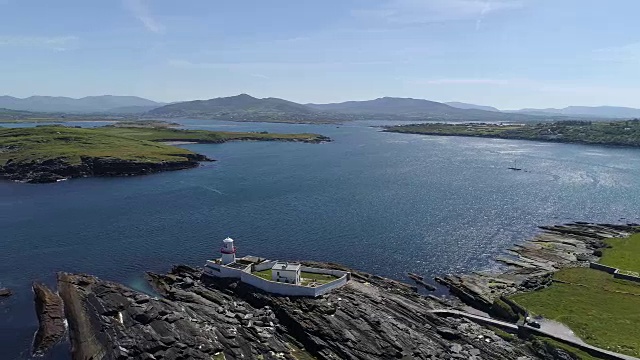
(381, 202)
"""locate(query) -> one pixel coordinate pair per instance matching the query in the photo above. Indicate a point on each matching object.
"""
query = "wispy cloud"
(462, 81)
(140, 10)
(428, 11)
(624, 53)
(57, 43)
(261, 76)
(186, 64)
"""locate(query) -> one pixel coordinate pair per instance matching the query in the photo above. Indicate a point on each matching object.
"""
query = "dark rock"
(50, 312)
(4, 292)
(52, 170)
(447, 333)
(369, 318)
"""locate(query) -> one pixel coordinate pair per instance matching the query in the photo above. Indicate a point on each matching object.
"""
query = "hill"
(410, 109)
(88, 104)
(589, 111)
(239, 107)
(461, 105)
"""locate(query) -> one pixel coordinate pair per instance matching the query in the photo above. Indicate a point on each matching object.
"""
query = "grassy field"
(168, 134)
(624, 253)
(601, 310)
(620, 133)
(305, 277)
(265, 274)
(140, 144)
(48, 142)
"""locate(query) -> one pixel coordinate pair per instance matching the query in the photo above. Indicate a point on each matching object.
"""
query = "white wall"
(277, 287)
(264, 265)
(337, 273)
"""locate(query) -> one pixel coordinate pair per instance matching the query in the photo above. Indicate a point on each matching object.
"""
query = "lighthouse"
(228, 251)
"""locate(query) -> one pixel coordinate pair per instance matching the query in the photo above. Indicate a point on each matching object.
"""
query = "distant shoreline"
(614, 134)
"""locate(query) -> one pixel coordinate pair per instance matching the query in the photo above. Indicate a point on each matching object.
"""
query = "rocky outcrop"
(530, 265)
(4, 292)
(50, 312)
(198, 317)
(52, 170)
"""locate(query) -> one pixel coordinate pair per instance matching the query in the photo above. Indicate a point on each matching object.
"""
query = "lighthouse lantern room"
(228, 251)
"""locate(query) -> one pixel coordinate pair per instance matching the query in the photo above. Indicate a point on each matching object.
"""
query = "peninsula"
(52, 153)
(254, 308)
(615, 133)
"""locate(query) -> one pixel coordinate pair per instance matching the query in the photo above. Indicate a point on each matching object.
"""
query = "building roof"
(285, 266)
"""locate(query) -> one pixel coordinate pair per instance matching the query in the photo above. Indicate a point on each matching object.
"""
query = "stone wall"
(605, 268)
(619, 275)
(277, 287)
(616, 272)
(217, 270)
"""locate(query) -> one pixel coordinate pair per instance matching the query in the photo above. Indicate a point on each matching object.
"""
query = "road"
(559, 335)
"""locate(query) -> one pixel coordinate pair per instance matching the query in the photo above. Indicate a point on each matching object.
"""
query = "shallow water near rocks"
(380, 202)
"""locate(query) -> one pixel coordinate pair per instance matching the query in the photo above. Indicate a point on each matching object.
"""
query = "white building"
(285, 277)
(286, 273)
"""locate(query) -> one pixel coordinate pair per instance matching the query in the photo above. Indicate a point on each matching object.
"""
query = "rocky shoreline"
(196, 317)
(50, 311)
(529, 266)
(193, 316)
(53, 170)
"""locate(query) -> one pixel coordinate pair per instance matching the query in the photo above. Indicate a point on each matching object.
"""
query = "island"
(52, 153)
(614, 133)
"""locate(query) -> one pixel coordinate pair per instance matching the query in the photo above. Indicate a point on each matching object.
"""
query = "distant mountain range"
(589, 111)
(89, 104)
(461, 105)
(248, 108)
(570, 111)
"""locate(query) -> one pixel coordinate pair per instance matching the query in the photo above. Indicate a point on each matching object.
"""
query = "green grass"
(168, 134)
(140, 144)
(601, 310)
(265, 274)
(622, 133)
(49, 142)
(624, 253)
(305, 277)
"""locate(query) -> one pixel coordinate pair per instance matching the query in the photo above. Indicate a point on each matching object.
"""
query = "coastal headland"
(192, 315)
(53, 153)
(614, 133)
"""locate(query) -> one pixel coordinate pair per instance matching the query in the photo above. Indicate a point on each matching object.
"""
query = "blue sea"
(380, 202)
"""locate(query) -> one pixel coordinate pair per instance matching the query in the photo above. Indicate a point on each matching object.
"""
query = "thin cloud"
(407, 12)
(57, 43)
(463, 81)
(624, 53)
(185, 64)
(140, 10)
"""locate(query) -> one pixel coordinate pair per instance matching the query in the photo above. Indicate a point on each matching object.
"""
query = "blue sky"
(505, 53)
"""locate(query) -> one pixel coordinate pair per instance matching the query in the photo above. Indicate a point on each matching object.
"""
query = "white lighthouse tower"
(228, 251)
